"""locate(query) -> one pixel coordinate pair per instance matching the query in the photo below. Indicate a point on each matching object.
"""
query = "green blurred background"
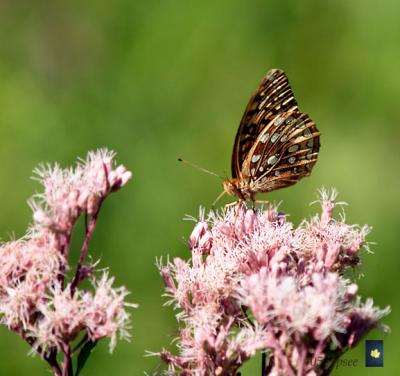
(155, 80)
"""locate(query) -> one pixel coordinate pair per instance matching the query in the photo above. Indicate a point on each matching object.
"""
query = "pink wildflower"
(69, 192)
(104, 311)
(36, 299)
(28, 268)
(100, 178)
(62, 318)
(262, 284)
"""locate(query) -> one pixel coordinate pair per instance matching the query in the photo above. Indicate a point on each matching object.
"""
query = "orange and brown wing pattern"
(273, 96)
(283, 153)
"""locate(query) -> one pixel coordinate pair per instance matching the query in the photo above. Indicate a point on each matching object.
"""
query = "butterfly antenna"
(200, 168)
(218, 198)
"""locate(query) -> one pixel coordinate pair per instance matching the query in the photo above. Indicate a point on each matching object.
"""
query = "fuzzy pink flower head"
(28, 267)
(254, 294)
(62, 317)
(104, 311)
(17, 306)
(39, 299)
(315, 309)
(361, 318)
(165, 272)
(119, 177)
(100, 178)
(328, 204)
(57, 207)
(329, 244)
(248, 341)
(201, 239)
(69, 192)
(262, 283)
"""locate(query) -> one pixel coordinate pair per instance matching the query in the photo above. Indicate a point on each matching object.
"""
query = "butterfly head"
(233, 188)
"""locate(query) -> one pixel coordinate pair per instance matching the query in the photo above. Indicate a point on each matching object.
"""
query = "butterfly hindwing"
(283, 153)
(273, 96)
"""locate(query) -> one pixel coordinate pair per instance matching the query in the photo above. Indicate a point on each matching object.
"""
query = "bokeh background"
(157, 80)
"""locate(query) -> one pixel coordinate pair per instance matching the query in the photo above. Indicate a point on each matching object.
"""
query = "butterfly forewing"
(273, 96)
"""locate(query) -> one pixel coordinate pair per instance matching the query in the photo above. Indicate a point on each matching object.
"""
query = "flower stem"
(64, 249)
(89, 232)
(301, 362)
(281, 356)
(50, 358)
(67, 363)
(263, 363)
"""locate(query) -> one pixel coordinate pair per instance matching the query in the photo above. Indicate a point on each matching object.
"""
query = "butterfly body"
(276, 144)
(240, 189)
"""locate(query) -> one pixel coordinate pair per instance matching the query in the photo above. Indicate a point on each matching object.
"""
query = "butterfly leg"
(262, 202)
(231, 205)
(237, 206)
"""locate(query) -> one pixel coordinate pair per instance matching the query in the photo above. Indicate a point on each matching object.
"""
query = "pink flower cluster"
(70, 192)
(37, 301)
(255, 282)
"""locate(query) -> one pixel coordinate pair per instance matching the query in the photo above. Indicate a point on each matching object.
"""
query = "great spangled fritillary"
(276, 144)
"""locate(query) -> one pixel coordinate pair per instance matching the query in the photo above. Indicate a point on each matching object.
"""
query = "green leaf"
(84, 355)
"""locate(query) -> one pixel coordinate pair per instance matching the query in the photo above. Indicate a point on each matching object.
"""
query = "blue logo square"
(374, 353)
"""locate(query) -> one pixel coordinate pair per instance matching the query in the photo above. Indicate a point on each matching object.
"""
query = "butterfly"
(276, 145)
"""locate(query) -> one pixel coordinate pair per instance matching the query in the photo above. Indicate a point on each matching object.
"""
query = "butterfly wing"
(284, 152)
(273, 96)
